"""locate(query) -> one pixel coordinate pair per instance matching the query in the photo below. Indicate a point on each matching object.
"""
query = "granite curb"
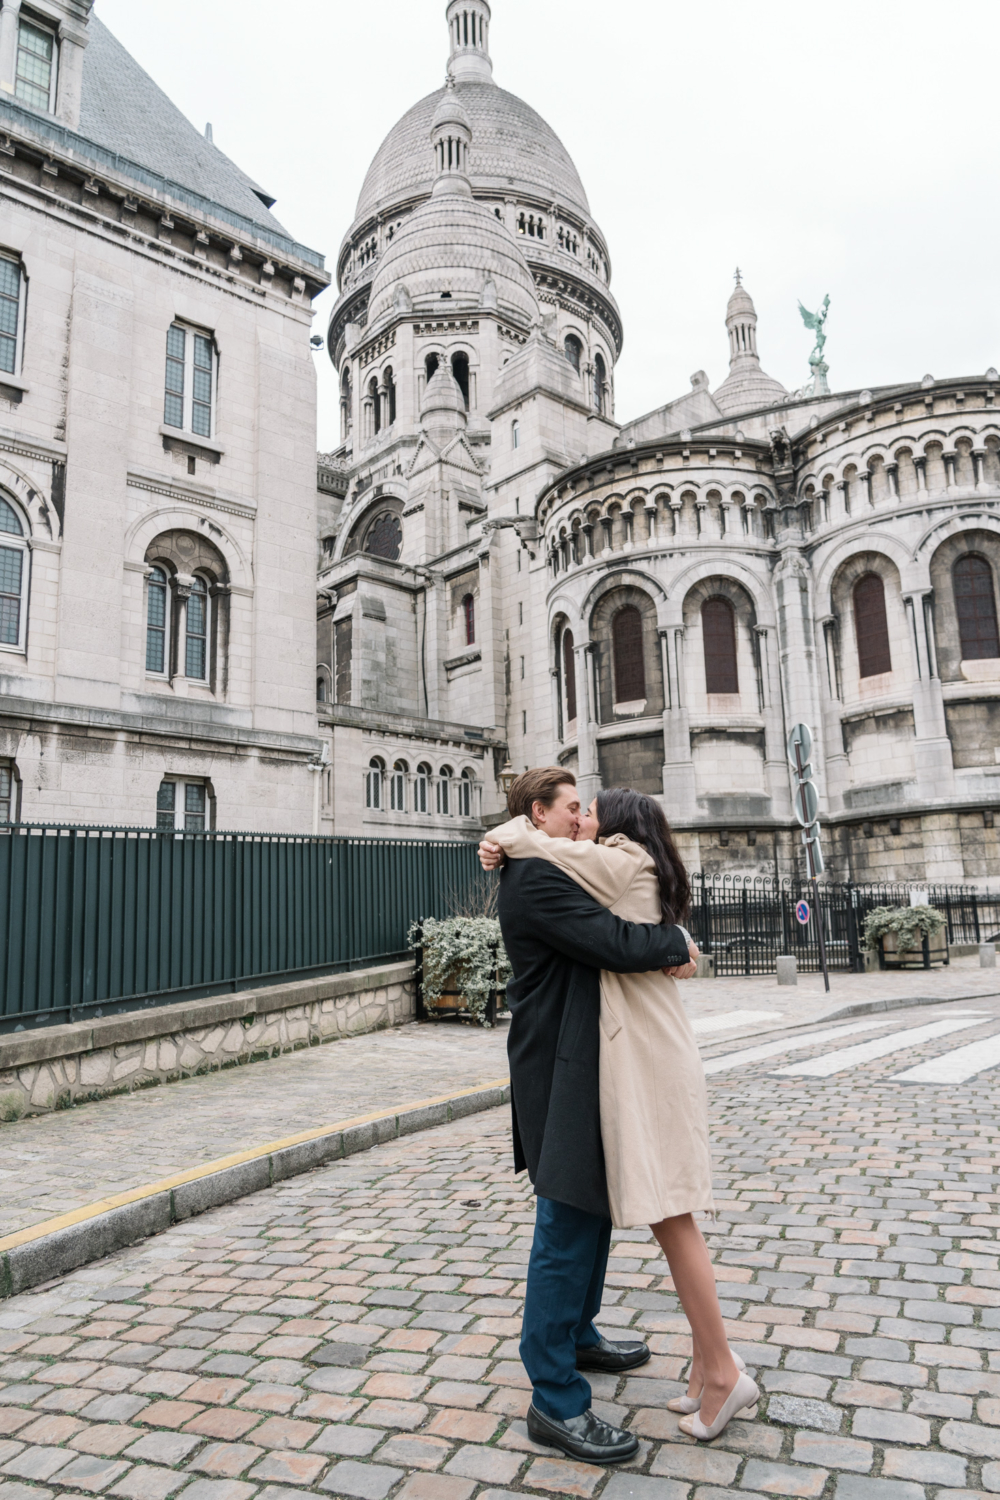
(40, 1254)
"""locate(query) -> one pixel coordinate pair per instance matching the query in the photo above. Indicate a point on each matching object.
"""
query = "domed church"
(510, 569)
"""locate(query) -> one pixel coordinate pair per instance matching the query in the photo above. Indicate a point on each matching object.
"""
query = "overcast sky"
(843, 148)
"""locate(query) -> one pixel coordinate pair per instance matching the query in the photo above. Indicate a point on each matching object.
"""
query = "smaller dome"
(740, 302)
(747, 385)
(454, 245)
(450, 111)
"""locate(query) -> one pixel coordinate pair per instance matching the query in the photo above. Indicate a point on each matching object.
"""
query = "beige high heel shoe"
(688, 1404)
(743, 1394)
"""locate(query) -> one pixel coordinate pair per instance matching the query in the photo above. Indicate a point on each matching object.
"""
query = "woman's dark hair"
(642, 819)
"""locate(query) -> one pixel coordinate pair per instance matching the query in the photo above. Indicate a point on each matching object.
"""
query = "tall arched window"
(389, 381)
(718, 630)
(871, 627)
(13, 576)
(465, 785)
(376, 414)
(469, 619)
(430, 366)
(420, 785)
(157, 603)
(196, 631)
(975, 606)
(397, 787)
(320, 689)
(573, 350)
(630, 671)
(600, 381)
(460, 370)
(373, 783)
(515, 434)
(345, 403)
(444, 790)
(569, 675)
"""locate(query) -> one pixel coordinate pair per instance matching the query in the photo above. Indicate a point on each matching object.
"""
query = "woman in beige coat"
(654, 1111)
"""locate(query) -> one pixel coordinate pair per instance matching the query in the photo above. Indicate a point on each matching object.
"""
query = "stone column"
(865, 477)
(933, 761)
(8, 44)
(892, 474)
(588, 778)
(979, 463)
(949, 469)
(844, 486)
(679, 790)
(920, 464)
(651, 522)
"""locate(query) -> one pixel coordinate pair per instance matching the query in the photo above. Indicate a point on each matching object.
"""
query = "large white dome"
(513, 149)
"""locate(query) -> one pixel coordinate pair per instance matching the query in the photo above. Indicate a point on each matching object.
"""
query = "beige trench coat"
(654, 1108)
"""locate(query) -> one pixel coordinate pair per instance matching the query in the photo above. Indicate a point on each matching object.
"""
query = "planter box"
(932, 952)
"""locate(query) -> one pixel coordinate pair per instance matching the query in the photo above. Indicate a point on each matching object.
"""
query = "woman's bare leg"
(691, 1268)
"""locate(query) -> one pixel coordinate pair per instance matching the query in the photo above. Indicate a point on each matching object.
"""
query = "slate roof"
(124, 111)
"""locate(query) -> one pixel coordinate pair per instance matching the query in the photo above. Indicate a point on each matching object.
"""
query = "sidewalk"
(51, 1164)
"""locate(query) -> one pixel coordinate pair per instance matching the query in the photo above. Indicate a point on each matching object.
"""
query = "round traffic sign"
(802, 912)
(800, 736)
(806, 803)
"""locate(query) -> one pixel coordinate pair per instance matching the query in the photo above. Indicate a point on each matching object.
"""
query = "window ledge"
(12, 388)
(189, 442)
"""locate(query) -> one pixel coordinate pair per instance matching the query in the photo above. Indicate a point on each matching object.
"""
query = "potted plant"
(462, 967)
(907, 937)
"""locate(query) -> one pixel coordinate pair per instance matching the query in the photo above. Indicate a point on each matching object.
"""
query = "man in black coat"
(558, 939)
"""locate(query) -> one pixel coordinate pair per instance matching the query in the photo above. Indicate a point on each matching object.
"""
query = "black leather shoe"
(613, 1355)
(585, 1437)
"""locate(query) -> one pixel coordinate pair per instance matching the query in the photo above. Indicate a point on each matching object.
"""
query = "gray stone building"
(505, 567)
(157, 455)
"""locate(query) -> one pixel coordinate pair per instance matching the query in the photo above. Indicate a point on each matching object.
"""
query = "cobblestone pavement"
(50, 1164)
(353, 1332)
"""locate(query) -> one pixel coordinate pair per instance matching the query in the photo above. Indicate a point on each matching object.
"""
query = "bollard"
(705, 966)
(987, 955)
(788, 969)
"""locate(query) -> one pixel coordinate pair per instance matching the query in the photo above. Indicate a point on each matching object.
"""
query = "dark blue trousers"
(569, 1256)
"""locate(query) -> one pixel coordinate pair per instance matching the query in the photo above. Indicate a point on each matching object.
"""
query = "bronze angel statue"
(815, 321)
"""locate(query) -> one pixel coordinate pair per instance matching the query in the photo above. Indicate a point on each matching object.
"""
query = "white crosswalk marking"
(851, 1057)
(790, 1044)
(957, 1066)
(731, 1019)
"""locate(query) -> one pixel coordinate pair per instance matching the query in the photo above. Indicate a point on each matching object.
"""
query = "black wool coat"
(559, 939)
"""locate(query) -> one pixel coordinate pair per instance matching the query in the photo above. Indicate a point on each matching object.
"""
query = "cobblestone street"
(52, 1164)
(353, 1332)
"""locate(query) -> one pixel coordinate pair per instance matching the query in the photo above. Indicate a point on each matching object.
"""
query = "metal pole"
(812, 876)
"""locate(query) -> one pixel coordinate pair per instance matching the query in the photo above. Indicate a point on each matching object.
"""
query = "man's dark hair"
(540, 785)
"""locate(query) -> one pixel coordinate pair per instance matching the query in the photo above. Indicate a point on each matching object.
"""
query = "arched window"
(430, 366)
(600, 380)
(975, 606)
(389, 381)
(376, 413)
(420, 785)
(871, 628)
(630, 671)
(157, 604)
(515, 434)
(373, 783)
(718, 632)
(444, 790)
(13, 576)
(569, 675)
(465, 785)
(397, 787)
(573, 350)
(384, 537)
(345, 403)
(320, 689)
(460, 370)
(469, 619)
(196, 631)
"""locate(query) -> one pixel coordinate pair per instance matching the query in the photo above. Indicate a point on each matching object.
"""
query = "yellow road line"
(134, 1195)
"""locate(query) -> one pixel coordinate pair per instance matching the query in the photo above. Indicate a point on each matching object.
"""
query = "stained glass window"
(718, 630)
(871, 627)
(630, 673)
(196, 631)
(385, 536)
(156, 621)
(975, 606)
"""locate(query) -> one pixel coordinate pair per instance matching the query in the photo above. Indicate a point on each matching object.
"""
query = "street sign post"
(805, 803)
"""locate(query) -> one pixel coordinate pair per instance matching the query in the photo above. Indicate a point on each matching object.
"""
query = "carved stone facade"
(157, 456)
(507, 568)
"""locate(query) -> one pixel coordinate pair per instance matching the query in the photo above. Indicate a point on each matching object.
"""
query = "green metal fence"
(112, 918)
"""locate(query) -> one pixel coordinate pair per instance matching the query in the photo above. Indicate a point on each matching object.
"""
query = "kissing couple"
(610, 1113)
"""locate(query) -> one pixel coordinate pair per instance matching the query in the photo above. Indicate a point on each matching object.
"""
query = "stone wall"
(57, 1066)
